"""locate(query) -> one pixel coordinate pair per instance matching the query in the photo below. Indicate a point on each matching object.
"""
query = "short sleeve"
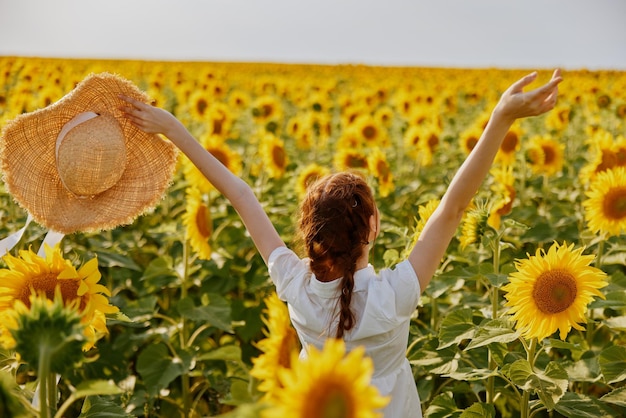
(285, 267)
(403, 280)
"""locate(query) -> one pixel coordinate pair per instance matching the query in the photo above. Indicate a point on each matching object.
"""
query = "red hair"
(334, 226)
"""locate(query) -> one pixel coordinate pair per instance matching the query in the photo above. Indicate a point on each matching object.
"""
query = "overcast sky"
(453, 33)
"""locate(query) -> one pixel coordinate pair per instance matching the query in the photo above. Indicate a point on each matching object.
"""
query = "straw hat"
(79, 165)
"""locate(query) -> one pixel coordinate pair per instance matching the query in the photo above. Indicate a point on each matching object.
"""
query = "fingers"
(523, 82)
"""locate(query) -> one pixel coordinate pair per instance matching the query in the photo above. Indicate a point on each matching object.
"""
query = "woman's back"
(382, 303)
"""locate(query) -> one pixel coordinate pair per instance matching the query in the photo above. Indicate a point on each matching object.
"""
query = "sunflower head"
(550, 291)
(45, 276)
(278, 348)
(605, 206)
(308, 176)
(198, 223)
(49, 327)
(329, 383)
(379, 167)
(474, 225)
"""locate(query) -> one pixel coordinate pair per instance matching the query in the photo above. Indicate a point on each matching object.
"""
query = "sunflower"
(30, 273)
(217, 146)
(504, 192)
(329, 383)
(607, 152)
(349, 140)
(559, 117)
(279, 346)
(474, 225)
(384, 116)
(219, 119)
(199, 105)
(509, 146)
(421, 142)
(379, 167)
(308, 175)
(469, 138)
(550, 291)
(266, 109)
(371, 131)
(238, 100)
(412, 139)
(605, 206)
(350, 158)
(430, 143)
(272, 151)
(545, 155)
(198, 223)
(424, 213)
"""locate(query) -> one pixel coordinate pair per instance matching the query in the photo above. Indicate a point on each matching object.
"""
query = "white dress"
(383, 304)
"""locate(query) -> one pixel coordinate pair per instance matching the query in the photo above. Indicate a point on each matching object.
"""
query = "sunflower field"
(525, 317)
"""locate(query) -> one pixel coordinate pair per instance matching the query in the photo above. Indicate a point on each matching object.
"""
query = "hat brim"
(27, 158)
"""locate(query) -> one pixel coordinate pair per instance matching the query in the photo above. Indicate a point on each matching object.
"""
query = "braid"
(334, 226)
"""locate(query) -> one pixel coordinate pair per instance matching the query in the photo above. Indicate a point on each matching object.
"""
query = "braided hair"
(334, 226)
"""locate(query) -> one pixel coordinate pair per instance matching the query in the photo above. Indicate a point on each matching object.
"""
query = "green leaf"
(614, 300)
(471, 374)
(616, 397)
(157, 368)
(575, 405)
(109, 259)
(96, 387)
(617, 323)
(493, 331)
(550, 385)
(217, 312)
(583, 370)
(456, 327)
(239, 394)
(245, 411)
(479, 410)
(159, 274)
(443, 406)
(226, 353)
(96, 407)
(613, 363)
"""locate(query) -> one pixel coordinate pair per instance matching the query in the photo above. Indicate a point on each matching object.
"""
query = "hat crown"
(91, 154)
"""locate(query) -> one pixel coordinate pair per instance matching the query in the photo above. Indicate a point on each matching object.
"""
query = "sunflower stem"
(495, 295)
(184, 330)
(44, 381)
(591, 323)
(530, 356)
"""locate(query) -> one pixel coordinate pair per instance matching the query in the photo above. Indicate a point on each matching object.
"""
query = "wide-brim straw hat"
(79, 165)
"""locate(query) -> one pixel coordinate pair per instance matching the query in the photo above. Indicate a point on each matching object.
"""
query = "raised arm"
(155, 120)
(441, 226)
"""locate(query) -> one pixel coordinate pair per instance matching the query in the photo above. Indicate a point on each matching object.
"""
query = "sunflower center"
(47, 283)
(289, 343)
(554, 291)
(356, 161)
(615, 203)
(330, 402)
(433, 141)
(471, 142)
(220, 155)
(509, 144)
(278, 155)
(203, 221)
(369, 132)
(549, 155)
(201, 106)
